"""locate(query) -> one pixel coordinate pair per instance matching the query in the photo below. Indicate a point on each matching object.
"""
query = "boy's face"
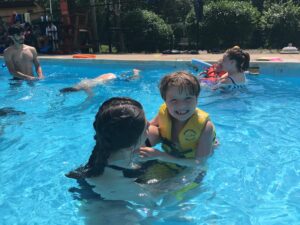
(181, 105)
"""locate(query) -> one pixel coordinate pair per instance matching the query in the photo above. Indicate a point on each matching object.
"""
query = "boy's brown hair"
(182, 80)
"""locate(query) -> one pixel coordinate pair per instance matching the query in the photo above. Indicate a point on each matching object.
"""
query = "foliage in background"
(173, 12)
(228, 23)
(269, 3)
(281, 25)
(146, 31)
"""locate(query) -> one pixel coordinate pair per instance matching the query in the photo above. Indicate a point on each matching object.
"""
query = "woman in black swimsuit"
(235, 62)
(121, 128)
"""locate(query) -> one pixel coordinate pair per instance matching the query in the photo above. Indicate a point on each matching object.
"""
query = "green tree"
(281, 24)
(228, 23)
(173, 12)
(146, 31)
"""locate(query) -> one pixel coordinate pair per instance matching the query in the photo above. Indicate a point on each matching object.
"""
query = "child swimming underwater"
(87, 84)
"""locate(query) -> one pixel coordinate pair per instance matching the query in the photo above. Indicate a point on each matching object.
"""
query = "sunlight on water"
(252, 178)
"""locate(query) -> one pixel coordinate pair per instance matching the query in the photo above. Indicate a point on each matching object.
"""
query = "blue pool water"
(253, 177)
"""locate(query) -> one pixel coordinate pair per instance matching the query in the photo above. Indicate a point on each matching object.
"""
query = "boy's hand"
(147, 153)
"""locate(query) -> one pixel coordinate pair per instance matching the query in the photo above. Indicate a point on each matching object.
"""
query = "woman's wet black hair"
(118, 124)
(242, 58)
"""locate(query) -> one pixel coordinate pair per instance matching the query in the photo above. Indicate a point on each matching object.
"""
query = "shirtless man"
(20, 57)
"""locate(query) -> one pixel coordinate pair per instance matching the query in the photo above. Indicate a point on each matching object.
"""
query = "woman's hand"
(147, 153)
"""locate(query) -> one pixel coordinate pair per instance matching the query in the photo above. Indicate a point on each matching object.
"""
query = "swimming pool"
(253, 177)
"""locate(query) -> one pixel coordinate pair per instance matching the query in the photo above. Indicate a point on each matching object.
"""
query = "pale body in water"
(87, 84)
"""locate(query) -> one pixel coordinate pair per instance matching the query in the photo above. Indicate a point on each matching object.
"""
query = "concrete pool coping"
(290, 63)
(255, 57)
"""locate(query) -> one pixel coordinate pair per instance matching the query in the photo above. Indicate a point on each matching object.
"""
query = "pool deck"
(255, 57)
(259, 64)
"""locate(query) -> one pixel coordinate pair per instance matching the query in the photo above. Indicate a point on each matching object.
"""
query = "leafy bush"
(173, 13)
(146, 31)
(229, 23)
(280, 25)
(268, 3)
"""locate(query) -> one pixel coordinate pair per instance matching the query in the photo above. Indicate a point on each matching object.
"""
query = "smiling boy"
(186, 132)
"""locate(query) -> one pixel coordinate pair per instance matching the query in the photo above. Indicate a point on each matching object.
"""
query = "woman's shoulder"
(235, 79)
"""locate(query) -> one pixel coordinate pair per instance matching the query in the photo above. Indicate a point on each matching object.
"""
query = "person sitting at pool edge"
(87, 84)
(121, 127)
(235, 62)
(20, 57)
(186, 132)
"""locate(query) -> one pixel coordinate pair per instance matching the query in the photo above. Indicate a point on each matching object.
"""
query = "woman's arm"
(204, 149)
(154, 121)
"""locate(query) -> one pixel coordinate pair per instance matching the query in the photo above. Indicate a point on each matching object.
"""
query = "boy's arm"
(147, 153)
(37, 65)
(153, 135)
(203, 150)
(205, 144)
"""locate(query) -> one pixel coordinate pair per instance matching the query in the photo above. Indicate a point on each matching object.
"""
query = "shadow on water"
(8, 112)
(167, 209)
(89, 103)
(112, 212)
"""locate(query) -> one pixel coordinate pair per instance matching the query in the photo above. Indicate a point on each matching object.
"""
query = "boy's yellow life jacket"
(189, 135)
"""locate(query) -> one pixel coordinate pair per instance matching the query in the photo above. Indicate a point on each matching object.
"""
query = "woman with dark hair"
(121, 128)
(235, 62)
